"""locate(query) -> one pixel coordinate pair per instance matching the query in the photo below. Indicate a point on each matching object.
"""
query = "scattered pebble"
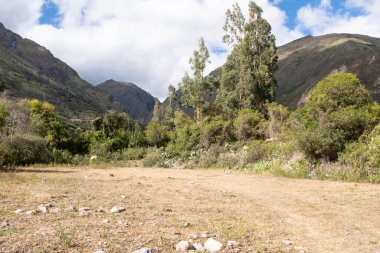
(198, 247)
(117, 209)
(287, 242)
(100, 251)
(101, 210)
(123, 196)
(43, 209)
(31, 212)
(71, 208)
(84, 209)
(193, 236)
(186, 224)
(112, 175)
(204, 234)
(54, 210)
(106, 221)
(182, 246)
(144, 250)
(213, 245)
(84, 213)
(19, 211)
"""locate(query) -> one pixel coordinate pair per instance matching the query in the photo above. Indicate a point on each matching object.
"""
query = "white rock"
(71, 208)
(84, 209)
(213, 245)
(123, 196)
(232, 244)
(101, 210)
(186, 224)
(31, 212)
(19, 211)
(117, 209)
(54, 210)
(182, 246)
(49, 205)
(106, 221)
(193, 236)
(198, 247)
(144, 250)
(204, 234)
(100, 251)
(43, 209)
(94, 157)
(287, 242)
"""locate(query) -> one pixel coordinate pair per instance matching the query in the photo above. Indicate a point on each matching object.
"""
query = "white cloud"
(322, 19)
(147, 42)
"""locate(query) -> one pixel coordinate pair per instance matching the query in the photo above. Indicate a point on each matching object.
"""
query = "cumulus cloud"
(357, 16)
(147, 42)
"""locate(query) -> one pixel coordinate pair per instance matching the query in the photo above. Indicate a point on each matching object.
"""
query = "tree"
(171, 95)
(249, 124)
(248, 76)
(3, 115)
(196, 88)
(156, 132)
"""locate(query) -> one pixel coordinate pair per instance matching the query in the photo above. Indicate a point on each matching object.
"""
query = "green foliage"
(196, 88)
(215, 130)
(155, 158)
(23, 150)
(250, 124)
(248, 76)
(3, 115)
(156, 132)
(338, 111)
(134, 153)
(278, 116)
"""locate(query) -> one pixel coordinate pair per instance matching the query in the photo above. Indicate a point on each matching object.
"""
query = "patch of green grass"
(66, 238)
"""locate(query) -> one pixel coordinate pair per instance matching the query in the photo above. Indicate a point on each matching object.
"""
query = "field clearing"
(164, 206)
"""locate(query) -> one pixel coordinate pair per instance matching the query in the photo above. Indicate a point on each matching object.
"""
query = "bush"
(61, 156)
(155, 157)
(24, 150)
(133, 154)
(250, 124)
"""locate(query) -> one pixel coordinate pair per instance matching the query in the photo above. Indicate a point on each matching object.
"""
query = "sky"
(149, 42)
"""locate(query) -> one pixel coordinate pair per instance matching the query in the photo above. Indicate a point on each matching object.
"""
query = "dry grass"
(257, 211)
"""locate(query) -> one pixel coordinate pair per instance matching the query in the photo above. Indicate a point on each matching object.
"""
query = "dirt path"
(257, 211)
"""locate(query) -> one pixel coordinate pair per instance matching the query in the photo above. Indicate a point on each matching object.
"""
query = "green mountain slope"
(304, 62)
(28, 70)
(136, 102)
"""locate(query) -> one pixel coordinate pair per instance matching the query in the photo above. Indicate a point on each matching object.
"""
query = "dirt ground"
(164, 206)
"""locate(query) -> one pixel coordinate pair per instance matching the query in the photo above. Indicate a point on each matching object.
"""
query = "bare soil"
(257, 211)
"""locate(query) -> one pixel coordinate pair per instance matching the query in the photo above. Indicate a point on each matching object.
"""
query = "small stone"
(182, 246)
(31, 212)
(117, 209)
(232, 244)
(100, 251)
(198, 247)
(101, 210)
(287, 242)
(106, 221)
(84, 214)
(144, 250)
(43, 209)
(112, 175)
(186, 224)
(19, 211)
(49, 205)
(84, 209)
(54, 210)
(71, 209)
(193, 236)
(123, 196)
(213, 245)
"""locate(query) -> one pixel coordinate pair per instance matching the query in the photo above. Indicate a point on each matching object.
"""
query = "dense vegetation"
(334, 134)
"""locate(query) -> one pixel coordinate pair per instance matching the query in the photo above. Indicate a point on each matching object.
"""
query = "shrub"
(24, 150)
(133, 153)
(61, 156)
(155, 157)
(249, 124)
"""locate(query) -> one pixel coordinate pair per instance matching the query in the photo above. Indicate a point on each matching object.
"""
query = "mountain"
(136, 102)
(28, 70)
(306, 61)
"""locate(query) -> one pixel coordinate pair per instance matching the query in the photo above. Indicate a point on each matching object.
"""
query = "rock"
(106, 221)
(287, 242)
(19, 211)
(112, 175)
(198, 247)
(117, 209)
(101, 210)
(54, 210)
(84, 209)
(193, 236)
(123, 196)
(182, 246)
(232, 244)
(84, 213)
(71, 209)
(94, 157)
(186, 224)
(31, 212)
(144, 250)
(100, 251)
(43, 209)
(49, 205)
(213, 245)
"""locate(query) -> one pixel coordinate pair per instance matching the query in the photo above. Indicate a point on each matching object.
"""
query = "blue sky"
(149, 42)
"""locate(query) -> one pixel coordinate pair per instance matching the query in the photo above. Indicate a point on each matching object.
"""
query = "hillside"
(136, 102)
(304, 62)
(28, 70)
